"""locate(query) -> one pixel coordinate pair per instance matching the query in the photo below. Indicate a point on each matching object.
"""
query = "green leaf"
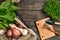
(52, 8)
(7, 13)
(2, 26)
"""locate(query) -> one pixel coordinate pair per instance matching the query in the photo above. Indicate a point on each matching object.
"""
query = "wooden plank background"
(31, 10)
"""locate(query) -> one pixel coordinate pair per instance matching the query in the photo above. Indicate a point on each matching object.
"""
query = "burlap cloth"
(31, 36)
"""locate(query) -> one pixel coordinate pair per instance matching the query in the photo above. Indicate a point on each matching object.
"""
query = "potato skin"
(9, 33)
(16, 33)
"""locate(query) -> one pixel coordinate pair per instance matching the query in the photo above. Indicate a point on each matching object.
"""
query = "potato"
(9, 33)
(23, 31)
(16, 33)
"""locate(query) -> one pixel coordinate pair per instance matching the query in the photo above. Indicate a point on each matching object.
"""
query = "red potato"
(13, 33)
(9, 33)
(16, 33)
(23, 31)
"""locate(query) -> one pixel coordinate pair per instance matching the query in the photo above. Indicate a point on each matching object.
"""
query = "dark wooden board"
(30, 20)
(31, 4)
(31, 10)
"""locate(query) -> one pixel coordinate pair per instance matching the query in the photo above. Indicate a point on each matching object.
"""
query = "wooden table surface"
(31, 11)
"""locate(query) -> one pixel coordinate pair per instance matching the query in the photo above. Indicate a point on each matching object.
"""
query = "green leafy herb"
(52, 8)
(7, 13)
(2, 26)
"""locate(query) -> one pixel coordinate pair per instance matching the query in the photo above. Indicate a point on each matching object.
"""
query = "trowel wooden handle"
(57, 23)
(57, 33)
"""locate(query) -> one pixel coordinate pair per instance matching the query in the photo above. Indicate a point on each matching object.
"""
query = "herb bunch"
(7, 13)
(52, 8)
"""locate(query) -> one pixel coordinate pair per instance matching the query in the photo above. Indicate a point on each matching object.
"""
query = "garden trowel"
(56, 25)
(52, 22)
